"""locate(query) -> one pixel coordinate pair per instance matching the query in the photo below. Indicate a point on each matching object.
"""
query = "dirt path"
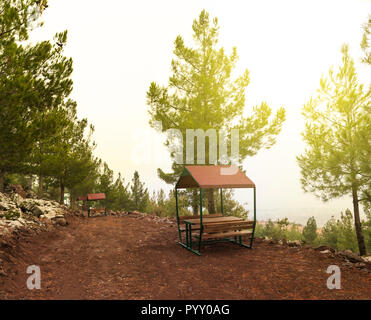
(133, 258)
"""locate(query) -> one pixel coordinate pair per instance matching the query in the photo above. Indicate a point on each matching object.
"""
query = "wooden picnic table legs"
(188, 245)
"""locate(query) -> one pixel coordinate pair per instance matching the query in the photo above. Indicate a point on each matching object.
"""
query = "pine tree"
(347, 239)
(203, 95)
(366, 41)
(33, 80)
(310, 231)
(139, 194)
(337, 159)
(120, 195)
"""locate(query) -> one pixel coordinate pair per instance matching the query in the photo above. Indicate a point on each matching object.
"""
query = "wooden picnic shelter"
(94, 197)
(200, 229)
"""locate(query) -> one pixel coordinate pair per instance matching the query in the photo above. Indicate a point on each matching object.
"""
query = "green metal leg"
(239, 243)
(252, 240)
(200, 240)
(190, 236)
(188, 245)
(188, 248)
(187, 235)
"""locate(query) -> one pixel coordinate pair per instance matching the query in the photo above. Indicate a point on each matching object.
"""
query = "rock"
(360, 265)
(26, 205)
(135, 212)
(15, 224)
(349, 255)
(61, 221)
(16, 198)
(6, 203)
(325, 251)
(37, 211)
(367, 258)
(12, 214)
(322, 248)
(35, 215)
(295, 243)
(348, 264)
(3, 231)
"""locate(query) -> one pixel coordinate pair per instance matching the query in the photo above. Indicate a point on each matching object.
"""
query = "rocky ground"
(17, 213)
(136, 256)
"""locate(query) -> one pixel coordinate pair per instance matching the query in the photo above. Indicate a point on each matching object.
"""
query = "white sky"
(119, 47)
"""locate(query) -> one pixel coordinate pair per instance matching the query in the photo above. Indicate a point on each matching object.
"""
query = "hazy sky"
(119, 47)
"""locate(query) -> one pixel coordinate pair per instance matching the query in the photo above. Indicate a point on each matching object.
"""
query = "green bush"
(310, 231)
(340, 234)
(11, 215)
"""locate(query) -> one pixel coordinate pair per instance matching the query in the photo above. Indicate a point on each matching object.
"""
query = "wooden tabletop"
(213, 220)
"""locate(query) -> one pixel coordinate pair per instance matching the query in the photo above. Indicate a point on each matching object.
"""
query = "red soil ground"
(135, 258)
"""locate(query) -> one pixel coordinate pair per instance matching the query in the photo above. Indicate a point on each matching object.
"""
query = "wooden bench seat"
(97, 210)
(227, 229)
(229, 234)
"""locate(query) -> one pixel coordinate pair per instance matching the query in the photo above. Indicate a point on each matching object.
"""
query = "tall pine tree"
(139, 194)
(336, 161)
(202, 94)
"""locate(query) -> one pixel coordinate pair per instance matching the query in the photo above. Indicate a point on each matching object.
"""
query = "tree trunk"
(72, 202)
(210, 202)
(357, 222)
(195, 210)
(30, 182)
(41, 183)
(61, 201)
(195, 202)
(2, 174)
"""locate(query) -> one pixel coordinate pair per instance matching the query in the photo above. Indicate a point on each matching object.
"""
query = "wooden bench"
(216, 228)
(227, 229)
(97, 210)
(196, 227)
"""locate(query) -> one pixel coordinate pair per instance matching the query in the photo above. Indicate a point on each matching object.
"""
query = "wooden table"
(220, 227)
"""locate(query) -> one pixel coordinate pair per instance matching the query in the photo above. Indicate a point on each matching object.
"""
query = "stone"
(3, 231)
(349, 255)
(322, 248)
(61, 221)
(15, 224)
(6, 203)
(37, 211)
(16, 198)
(295, 243)
(360, 265)
(325, 251)
(348, 264)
